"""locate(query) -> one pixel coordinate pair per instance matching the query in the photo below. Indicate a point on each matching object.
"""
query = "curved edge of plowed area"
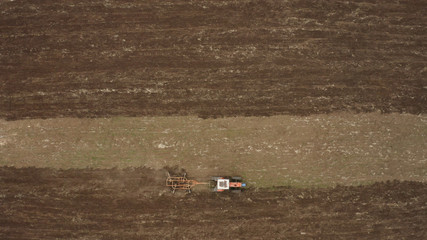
(134, 204)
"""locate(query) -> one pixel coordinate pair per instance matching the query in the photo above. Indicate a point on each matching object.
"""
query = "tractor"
(217, 184)
(232, 184)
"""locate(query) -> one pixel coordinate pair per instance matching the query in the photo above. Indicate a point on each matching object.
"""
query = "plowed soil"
(134, 204)
(93, 58)
(88, 58)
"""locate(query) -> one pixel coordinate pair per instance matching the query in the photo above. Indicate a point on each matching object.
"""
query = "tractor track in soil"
(134, 204)
(210, 58)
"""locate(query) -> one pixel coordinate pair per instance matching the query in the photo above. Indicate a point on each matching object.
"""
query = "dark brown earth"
(92, 58)
(134, 204)
(87, 58)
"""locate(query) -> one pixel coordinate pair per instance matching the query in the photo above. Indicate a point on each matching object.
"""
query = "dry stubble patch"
(319, 150)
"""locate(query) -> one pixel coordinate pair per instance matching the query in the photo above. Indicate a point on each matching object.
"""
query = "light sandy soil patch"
(319, 150)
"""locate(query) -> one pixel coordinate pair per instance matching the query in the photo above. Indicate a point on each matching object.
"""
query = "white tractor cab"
(232, 184)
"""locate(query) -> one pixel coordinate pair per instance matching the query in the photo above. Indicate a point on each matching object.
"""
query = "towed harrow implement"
(181, 183)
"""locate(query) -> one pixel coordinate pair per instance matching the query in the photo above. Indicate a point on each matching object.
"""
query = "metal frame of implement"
(181, 183)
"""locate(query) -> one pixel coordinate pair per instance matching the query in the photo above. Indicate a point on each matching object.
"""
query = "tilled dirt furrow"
(210, 59)
(40, 209)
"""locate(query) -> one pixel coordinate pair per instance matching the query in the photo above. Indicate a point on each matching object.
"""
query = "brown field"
(134, 204)
(211, 58)
(319, 105)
